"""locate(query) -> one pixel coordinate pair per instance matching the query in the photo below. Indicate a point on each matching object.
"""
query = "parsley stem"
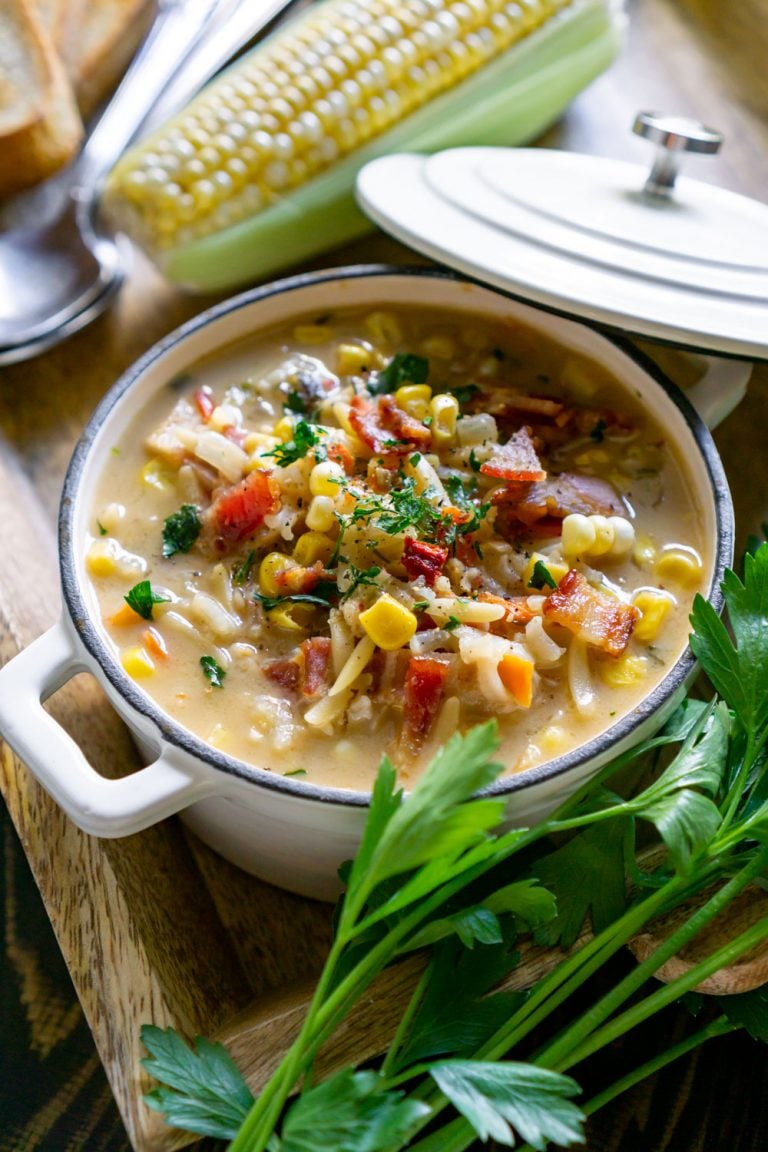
(585, 1036)
(405, 1024)
(719, 1027)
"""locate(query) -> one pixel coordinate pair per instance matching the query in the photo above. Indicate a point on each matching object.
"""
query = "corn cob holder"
(258, 171)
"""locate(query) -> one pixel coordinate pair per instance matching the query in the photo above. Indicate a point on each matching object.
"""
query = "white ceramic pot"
(292, 833)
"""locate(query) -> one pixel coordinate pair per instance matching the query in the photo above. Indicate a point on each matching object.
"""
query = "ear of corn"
(259, 170)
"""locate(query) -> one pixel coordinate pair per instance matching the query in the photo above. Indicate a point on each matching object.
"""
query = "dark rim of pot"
(182, 738)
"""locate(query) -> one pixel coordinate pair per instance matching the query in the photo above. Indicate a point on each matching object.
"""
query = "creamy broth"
(366, 530)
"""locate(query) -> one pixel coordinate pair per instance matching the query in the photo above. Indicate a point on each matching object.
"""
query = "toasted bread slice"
(110, 32)
(62, 20)
(40, 128)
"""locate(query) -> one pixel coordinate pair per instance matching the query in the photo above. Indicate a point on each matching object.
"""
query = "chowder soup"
(364, 531)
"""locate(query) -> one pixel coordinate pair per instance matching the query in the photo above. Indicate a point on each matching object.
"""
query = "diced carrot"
(124, 616)
(516, 674)
(204, 402)
(155, 644)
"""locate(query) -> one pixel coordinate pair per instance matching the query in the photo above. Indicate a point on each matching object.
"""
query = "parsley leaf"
(598, 432)
(142, 599)
(295, 402)
(304, 438)
(738, 671)
(474, 463)
(101, 528)
(541, 576)
(464, 392)
(349, 1113)
(493, 1096)
(243, 571)
(202, 1090)
(180, 530)
(749, 1010)
(270, 602)
(586, 873)
(358, 576)
(212, 671)
(451, 623)
(404, 368)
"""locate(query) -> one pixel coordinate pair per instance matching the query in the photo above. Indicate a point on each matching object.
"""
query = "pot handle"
(100, 806)
(720, 389)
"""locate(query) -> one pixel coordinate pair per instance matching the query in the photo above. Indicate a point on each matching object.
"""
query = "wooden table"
(695, 57)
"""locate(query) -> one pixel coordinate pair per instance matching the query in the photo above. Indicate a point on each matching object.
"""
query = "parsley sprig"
(305, 438)
(404, 368)
(142, 598)
(436, 871)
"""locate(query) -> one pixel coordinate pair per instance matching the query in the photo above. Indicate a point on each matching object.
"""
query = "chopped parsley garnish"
(142, 599)
(420, 605)
(296, 772)
(243, 571)
(463, 501)
(212, 671)
(101, 528)
(598, 432)
(304, 438)
(270, 602)
(180, 530)
(404, 368)
(358, 576)
(541, 576)
(474, 463)
(464, 392)
(295, 402)
(451, 623)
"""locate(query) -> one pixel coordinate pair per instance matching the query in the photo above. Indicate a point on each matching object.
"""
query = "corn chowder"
(368, 530)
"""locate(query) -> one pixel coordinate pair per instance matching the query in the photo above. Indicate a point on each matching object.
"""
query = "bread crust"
(40, 127)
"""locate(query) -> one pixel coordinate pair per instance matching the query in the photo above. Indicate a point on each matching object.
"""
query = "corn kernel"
(312, 333)
(137, 663)
(284, 429)
(684, 567)
(156, 474)
(654, 608)
(325, 478)
(603, 536)
(444, 410)
(101, 559)
(624, 670)
(321, 514)
(623, 535)
(287, 617)
(578, 534)
(352, 359)
(644, 552)
(439, 347)
(311, 547)
(592, 456)
(383, 328)
(272, 564)
(414, 399)
(388, 623)
(552, 740)
(556, 568)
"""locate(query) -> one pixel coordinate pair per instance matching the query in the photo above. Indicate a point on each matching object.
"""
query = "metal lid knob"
(672, 136)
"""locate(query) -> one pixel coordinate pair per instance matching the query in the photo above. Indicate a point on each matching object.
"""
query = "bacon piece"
(423, 559)
(317, 655)
(385, 428)
(558, 496)
(424, 688)
(594, 615)
(299, 579)
(340, 454)
(285, 673)
(503, 402)
(387, 671)
(515, 461)
(241, 509)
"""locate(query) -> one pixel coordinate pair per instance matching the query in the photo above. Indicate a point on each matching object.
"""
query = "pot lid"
(674, 260)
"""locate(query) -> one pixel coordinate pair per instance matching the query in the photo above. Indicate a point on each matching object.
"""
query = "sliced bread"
(40, 128)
